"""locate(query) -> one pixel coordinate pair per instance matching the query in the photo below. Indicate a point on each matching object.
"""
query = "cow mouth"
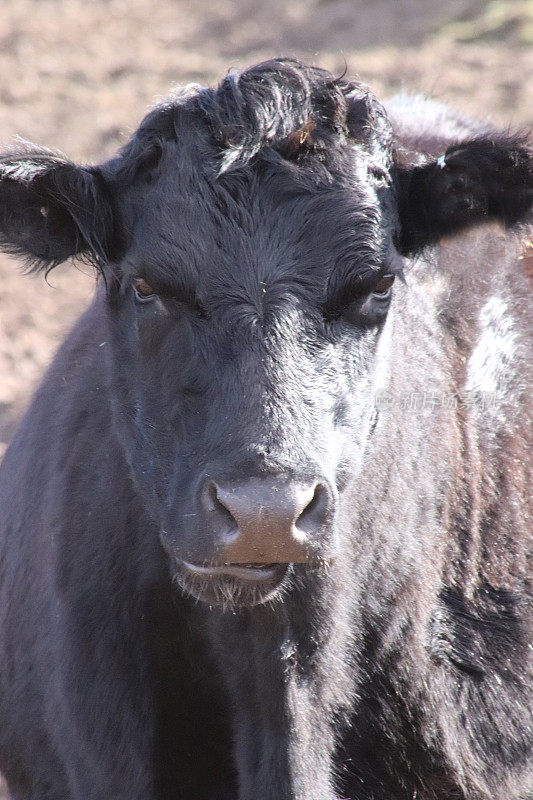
(244, 572)
(227, 585)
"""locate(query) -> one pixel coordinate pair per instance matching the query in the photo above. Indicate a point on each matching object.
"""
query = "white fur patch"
(384, 356)
(491, 365)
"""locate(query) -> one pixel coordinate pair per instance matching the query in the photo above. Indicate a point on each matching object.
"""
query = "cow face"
(257, 309)
(250, 239)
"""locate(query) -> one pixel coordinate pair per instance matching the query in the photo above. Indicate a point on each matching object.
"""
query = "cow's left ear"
(51, 209)
(478, 180)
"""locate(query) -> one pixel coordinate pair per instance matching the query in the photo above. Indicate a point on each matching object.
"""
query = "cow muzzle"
(256, 529)
(265, 521)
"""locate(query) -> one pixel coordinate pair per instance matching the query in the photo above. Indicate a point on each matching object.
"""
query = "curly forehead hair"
(284, 103)
(281, 104)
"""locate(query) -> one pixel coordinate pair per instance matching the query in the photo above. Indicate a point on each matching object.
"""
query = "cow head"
(249, 238)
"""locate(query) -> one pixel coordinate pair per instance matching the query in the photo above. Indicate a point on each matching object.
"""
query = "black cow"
(265, 526)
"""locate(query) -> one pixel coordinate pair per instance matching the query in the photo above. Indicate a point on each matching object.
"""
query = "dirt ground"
(78, 75)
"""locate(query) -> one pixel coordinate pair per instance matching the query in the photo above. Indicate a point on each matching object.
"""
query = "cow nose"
(264, 521)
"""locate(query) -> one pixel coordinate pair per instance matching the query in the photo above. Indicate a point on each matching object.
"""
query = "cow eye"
(383, 287)
(143, 291)
(375, 307)
(364, 302)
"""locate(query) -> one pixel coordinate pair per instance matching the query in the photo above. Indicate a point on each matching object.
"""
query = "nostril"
(215, 505)
(316, 512)
(211, 496)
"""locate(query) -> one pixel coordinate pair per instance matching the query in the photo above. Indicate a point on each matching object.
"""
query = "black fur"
(51, 209)
(397, 666)
(485, 178)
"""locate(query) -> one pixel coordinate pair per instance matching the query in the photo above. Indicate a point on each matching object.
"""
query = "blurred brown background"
(77, 75)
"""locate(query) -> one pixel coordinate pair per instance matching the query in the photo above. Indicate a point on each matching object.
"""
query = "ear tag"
(441, 162)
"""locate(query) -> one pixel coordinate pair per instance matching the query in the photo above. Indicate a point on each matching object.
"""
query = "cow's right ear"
(51, 209)
(482, 179)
